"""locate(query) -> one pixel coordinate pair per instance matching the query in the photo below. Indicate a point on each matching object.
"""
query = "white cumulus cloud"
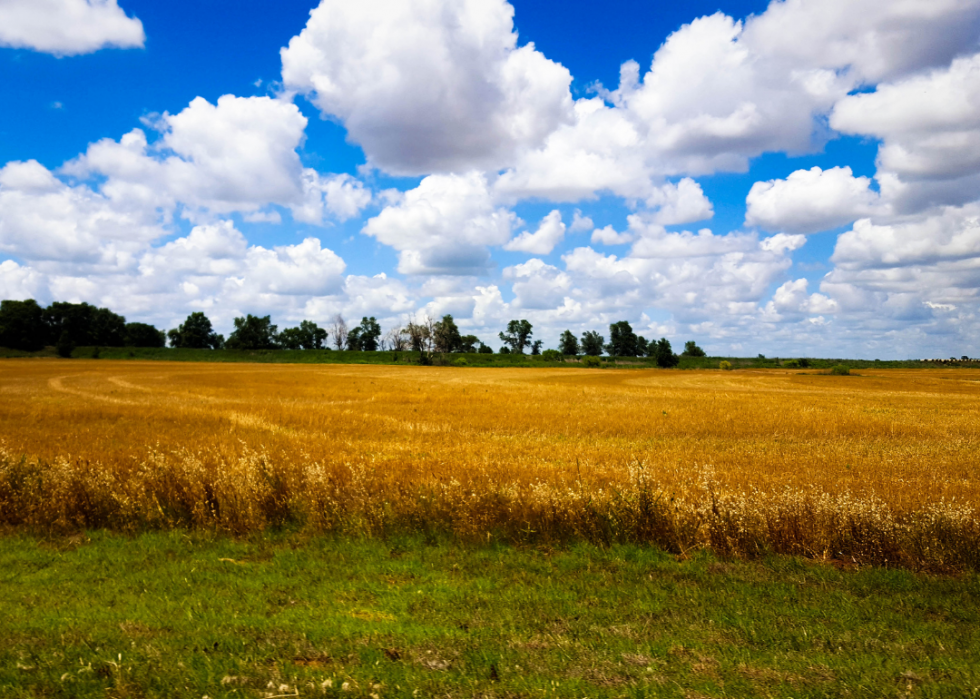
(542, 241)
(68, 27)
(809, 201)
(428, 86)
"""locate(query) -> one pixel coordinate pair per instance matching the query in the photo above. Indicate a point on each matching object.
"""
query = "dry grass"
(878, 468)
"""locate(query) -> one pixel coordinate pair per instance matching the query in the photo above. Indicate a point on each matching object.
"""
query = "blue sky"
(793, 178)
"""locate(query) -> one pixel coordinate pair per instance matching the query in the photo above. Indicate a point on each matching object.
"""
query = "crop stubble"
(878, 468)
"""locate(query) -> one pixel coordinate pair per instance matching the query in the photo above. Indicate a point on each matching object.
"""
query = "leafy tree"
(468, 343)
(354, 340)
(291, 339)
(85, 324)
(665, 355)
(568, 343)
(253, 333)
(195, 333)
(550, 355)
(65, 345)
(22, 325)
(518, 335)
(312, 336)
(691, 349)
(445, 335)
(592, 343)
(504, 350)
(643, 346)
(368, 333)
(485, 349)
(107, 328)
(536, 348)
(622, 340)
(144, 335)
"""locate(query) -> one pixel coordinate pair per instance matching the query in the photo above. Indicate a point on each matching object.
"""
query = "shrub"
(550, 355)
(591, 362)
(792, 364)
(725, 365)
(461, 361)
(840, 370)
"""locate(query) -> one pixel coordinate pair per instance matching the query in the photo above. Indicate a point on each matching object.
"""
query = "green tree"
(468, 343)
(518, 335)
(22, 325)
(312, 335)
(550, 355)
(445, 335)
(291, 339)
(195, 332)
(622, 340)
(642, 346)
(568, 343)
(144, 335)
(253, 333)
(691, 349)
(485, 349)
(592, 343)
(85, 324)
(366, 335)
(65, 345)
(665, 355)
(536, 348)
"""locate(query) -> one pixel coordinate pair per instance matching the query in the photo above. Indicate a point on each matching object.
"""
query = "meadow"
(878, 468)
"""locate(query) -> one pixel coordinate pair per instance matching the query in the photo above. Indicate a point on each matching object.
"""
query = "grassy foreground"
(191, 615)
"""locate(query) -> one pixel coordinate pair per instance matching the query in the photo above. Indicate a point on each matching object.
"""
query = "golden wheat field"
(880, 467)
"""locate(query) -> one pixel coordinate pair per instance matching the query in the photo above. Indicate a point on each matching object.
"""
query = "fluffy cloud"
(41, 218)
(236, 155)
(812, 200)
(444, 226)
(930, 127)
(67, 27)
(428, 85)
(542, 241)
(17, 282)
(868, 39)
(537, 285)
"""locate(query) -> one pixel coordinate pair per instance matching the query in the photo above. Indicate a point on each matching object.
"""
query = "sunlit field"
(878, 468)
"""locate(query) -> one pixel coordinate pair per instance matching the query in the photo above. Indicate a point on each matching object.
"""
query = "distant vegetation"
(81, 330)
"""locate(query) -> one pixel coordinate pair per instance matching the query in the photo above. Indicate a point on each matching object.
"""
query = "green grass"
(181, 615)
(472, 359)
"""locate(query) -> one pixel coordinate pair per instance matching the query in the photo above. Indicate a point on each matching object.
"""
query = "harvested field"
(877, 468)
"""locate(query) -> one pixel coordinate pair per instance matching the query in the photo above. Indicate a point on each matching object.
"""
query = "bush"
(840, 370)
(792, 364)
(591, 362)
(461, 361)
(550, 355)
(725, 365)
(804, 363)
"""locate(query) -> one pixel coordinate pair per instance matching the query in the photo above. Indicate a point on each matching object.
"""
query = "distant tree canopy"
(22, 325)
(307, 336)
(26, 325)
(195, 333)
(664, 354)
(143, 335)
(691, 349)
(623, 342)
(568, 343)
(253, 333)
(592, 343)
(518, 335)
(364, 338)
(445, 335)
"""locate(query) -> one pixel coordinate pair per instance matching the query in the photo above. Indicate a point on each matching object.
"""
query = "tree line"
(26, 325)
